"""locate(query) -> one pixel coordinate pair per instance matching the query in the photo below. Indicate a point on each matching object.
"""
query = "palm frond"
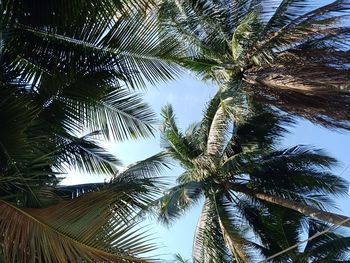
(241, 35)
(176, 143)
(125, 115)
(46, 236)
(328, 247)
(26, 156)
(83, 153)
(266, 221)
(233, 234)
(150, 167)
(299, 173)
(180, 259)
(177, 200)
(219, 129)
(94, 102)
(285, 13)
(261, 130)
(216, 126)
(209, 244)
(141, 53)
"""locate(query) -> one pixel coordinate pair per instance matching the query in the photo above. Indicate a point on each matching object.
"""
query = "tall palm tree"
(62, 71)
(237, 169)
(286, 55)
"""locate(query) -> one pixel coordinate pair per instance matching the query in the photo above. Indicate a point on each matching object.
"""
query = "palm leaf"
(329, 247)
(46, 236)
(148, 169)
(232, 233)
(209, 244)
(180, 259)
(138, 55)
(173, 140)
(219, 129)
(177, 200)
(86, 155)
(97, 226)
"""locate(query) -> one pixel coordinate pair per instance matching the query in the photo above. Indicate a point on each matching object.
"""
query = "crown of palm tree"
(239, 172)
(287, 55)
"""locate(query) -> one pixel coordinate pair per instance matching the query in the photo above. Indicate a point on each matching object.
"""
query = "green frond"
(180, 259)
(26, 155)
(298, 172)
(219, 129)
(47, 236)
(209, 244)
(241, 35)
(84, 154)
(141, 54)
(177, 200)
(124, 114)
(216, 124)
(176, 144)
(261, 130)
(330, 247)
(147, 171)
(233, 234)
(285, 13)
(150, 167)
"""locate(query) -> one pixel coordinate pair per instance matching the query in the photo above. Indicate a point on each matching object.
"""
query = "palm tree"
(287, 56)
(238, 171)
(40, 222)
(58, 104)
(62, 72)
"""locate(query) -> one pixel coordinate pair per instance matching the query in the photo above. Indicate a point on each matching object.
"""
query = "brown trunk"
(300, 78)
(323, 100)
(296, 206)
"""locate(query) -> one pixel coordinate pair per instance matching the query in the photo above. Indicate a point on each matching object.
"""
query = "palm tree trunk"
(322, 80)
(296, 206)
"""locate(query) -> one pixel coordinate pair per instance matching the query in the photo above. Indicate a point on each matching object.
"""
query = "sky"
(189, 96)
